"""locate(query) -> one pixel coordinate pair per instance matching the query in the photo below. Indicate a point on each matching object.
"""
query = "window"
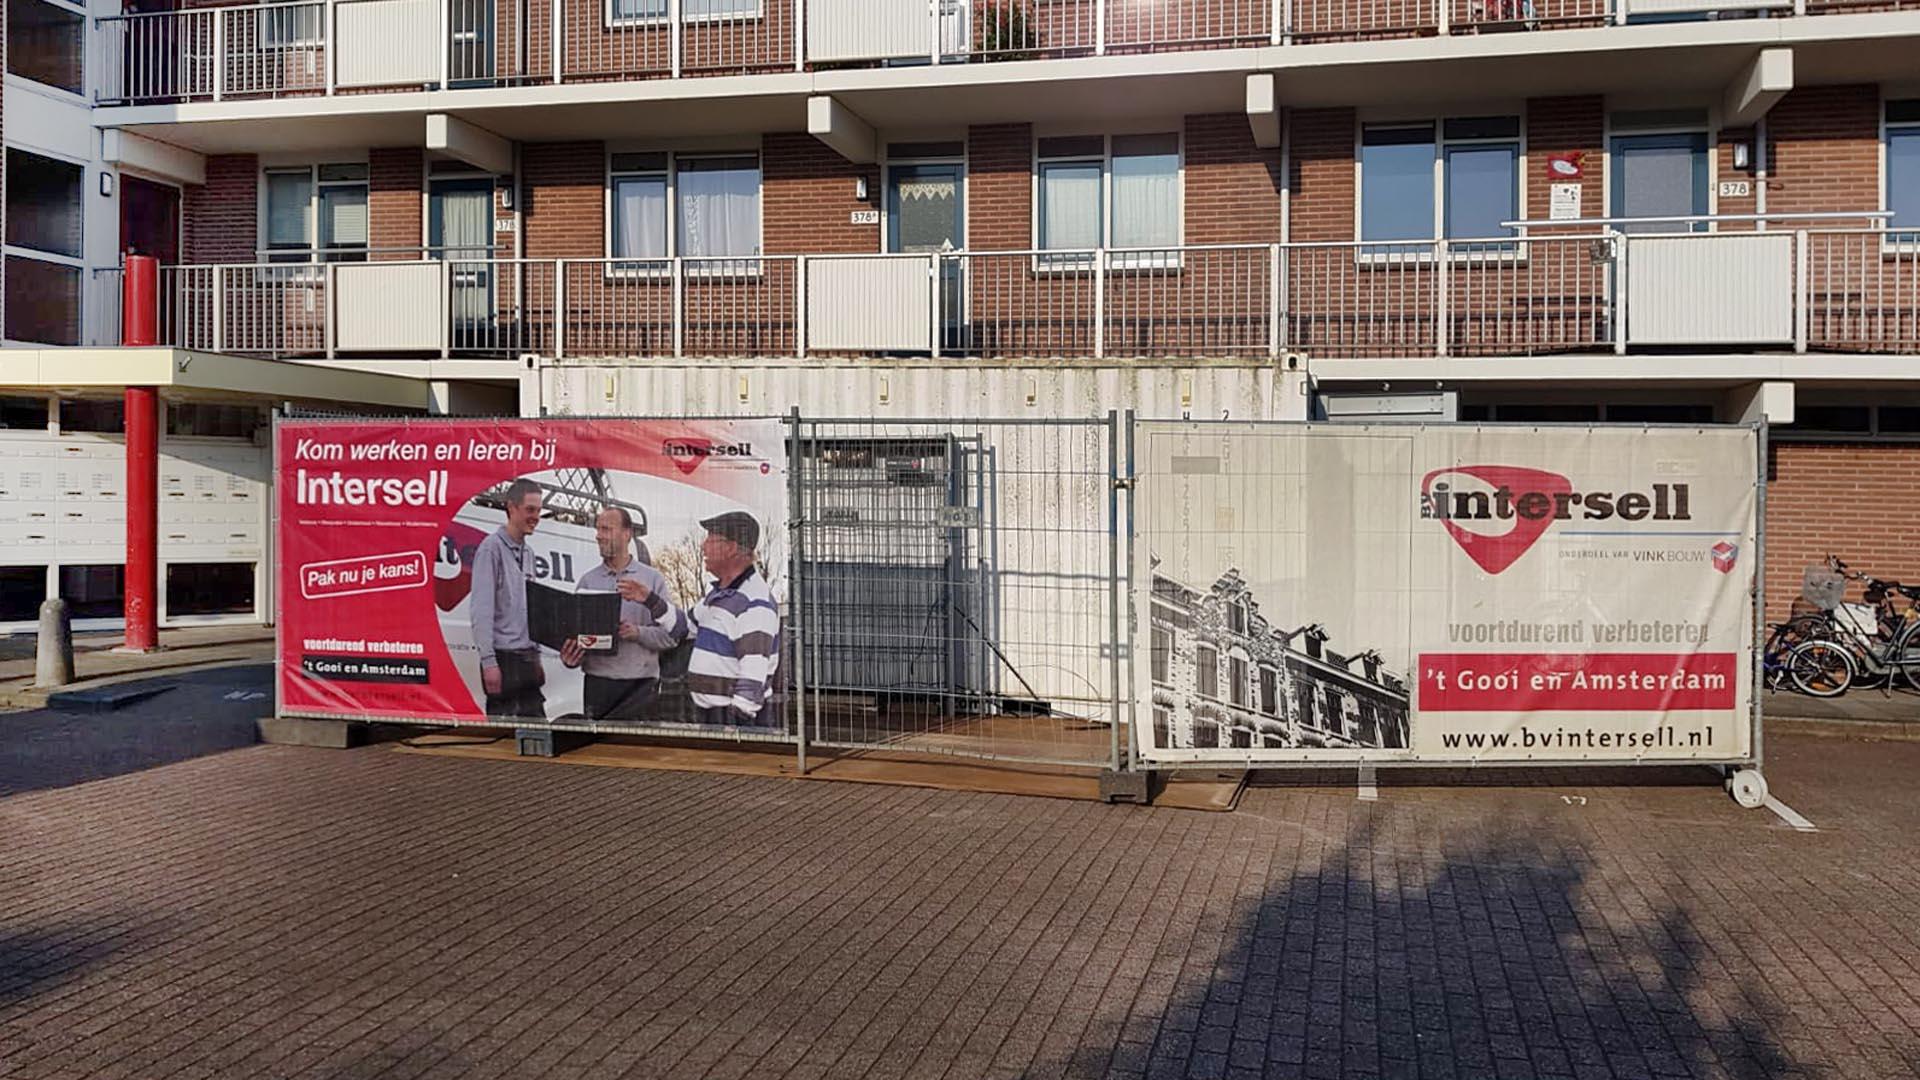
(655, 11)
(45, 43)
(1206, 663)
(1336, 718)
(288, 24)
(93, 592)
(1237, 680)
(716, 206)
(21, 590)
(1162, 653)
(1658, 175)
(1476, 162)
(1269, 690)
(1237, 618)
(44, 206)
(204, 419)
(1092, 191)
(42, 301)
(1903, 164)
(23, 414)
(316, 213)
(209, 589)
(104, 415)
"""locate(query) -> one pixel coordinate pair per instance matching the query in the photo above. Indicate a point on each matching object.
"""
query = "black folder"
(554, 615)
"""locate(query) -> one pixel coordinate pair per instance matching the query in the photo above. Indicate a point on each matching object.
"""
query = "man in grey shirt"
(510, 670)
(623, 681)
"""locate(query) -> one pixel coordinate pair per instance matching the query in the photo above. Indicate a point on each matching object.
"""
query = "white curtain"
(1070, 206)
(640, 218)
(719, 208)
(1146, 191)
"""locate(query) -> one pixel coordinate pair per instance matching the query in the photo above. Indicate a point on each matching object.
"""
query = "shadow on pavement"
(1508, 960)
(204, 712)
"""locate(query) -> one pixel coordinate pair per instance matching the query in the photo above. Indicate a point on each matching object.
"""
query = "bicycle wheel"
(1904, 658)
(1820, 669)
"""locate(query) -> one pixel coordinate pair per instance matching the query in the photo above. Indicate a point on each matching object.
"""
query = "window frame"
(312, 254)
(618, 267)
(86, 19)
(1200, 650)
(1486, 249)
(75, 263)
(1160, 659)
(1078, 260)
(267, 41)
(1897, 240)
(611, 21)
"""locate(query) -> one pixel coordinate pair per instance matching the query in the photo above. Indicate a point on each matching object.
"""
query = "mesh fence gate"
(959, 588)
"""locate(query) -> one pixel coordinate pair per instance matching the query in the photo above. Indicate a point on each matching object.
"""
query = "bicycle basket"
(1823, 588)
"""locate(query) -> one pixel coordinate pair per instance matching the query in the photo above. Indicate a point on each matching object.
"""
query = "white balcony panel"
(1725, 289)
(867, 29)
(394, 307)
(1694, 7)
(877, 304)
(387, 42)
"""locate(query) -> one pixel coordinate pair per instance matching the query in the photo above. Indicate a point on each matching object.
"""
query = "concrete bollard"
(53, 662)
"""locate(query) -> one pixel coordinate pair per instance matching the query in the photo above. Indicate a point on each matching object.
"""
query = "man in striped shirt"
(736, 646)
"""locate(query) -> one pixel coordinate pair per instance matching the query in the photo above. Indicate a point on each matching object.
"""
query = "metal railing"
(1590, 292)
(329, 46)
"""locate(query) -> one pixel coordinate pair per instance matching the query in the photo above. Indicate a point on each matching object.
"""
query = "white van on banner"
(1444, 593)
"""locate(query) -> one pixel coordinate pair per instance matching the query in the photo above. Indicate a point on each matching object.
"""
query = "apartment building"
(1648, 211)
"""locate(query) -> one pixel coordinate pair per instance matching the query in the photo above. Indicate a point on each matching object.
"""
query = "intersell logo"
(687, 454)
(1532, 500)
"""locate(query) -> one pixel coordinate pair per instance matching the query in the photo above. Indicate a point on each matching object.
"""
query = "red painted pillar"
(142, 610)
(140, 300)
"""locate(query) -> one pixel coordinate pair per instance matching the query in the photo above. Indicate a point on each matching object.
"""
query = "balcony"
(329, 47)
(1583, 294)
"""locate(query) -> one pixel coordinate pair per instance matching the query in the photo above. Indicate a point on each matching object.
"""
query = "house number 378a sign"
(1736, 189)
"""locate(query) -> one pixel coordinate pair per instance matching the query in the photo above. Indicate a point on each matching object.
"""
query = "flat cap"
(737, 526)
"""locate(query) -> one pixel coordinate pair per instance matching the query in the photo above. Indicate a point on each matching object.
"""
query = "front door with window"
(926, 216)
(460, 231)
(1660, 176)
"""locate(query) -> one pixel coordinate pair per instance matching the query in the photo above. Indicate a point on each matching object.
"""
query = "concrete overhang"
(126, 150)
(844, 133)
(1702, 58)
(1651, 372)
(1764, 81)
(1263, 110)
(189, 373)
(469, 142)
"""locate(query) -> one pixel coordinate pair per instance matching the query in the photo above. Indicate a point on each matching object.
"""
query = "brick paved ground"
(286, 912)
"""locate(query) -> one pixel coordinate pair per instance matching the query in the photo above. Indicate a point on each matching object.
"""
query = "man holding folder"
(622, 681)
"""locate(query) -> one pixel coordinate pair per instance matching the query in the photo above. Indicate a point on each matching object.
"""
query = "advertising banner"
(605, 573)
(1445, 593)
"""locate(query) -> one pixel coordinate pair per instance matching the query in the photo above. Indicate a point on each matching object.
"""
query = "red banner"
(1576, 682)
(380, 523)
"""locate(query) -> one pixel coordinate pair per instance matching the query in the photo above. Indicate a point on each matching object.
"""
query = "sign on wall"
(533, 571)
(1454, 592)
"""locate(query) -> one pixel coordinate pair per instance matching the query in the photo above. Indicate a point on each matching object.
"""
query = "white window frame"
(738, 266)
(74, 262)
(271, 42)
(1894, 241)
(1516, 251)
(86, 47)
(665, 18)
(264, 253)
(1069, 261)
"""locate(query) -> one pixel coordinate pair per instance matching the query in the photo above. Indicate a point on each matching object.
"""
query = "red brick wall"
(807, 198)
(1320, 151)
(394, 178)
(1724, 171)
(1564, 125)
(1233, 186)
(1823, 149)
(1854, 501)
(565, 209)
(1000, 187)
(220, 217)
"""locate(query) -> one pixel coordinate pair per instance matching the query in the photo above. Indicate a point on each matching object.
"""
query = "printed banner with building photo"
(1445, 593)
(612, 573)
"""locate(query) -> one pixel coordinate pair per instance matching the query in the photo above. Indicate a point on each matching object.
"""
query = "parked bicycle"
(1872, 643)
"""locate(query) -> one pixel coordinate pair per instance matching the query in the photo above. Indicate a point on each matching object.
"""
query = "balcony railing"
(319, 47)
(1594, 292)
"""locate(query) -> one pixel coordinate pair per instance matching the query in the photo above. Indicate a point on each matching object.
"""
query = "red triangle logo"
(687, 454)
(1495, 553)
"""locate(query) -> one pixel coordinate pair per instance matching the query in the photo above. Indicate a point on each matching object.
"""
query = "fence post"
(1803, 288)
(799, 35)
(800, 306)
(1100, 304)
(219, 53)
(1114, 590)
(219, 310)
(559, 308)
(933, 38)
(446, 308)
(679, 294)
(446, 43)
(796, 571)
(939, 322)
(1275, 298)
(1443, 295)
